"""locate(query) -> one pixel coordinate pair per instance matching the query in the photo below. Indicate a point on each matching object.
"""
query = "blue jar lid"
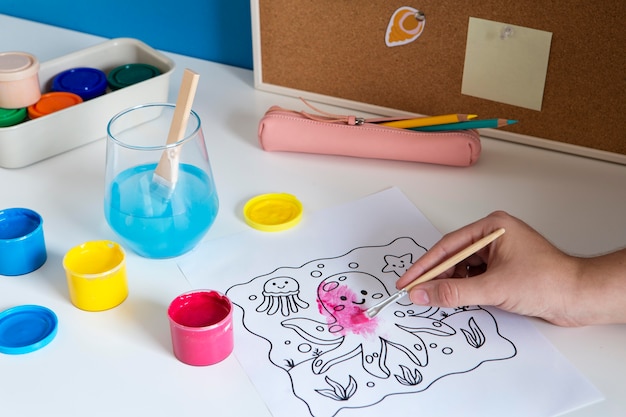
(26, 328)
(85, 82)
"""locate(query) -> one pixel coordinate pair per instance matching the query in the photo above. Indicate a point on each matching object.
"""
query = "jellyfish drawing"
(281, 294)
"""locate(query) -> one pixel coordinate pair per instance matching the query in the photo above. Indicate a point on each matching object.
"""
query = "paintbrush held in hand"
(433, 273)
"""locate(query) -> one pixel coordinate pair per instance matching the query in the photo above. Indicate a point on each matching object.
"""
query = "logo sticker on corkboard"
(406, 25)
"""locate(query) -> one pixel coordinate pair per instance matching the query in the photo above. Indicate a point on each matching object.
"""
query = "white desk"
(119, 362)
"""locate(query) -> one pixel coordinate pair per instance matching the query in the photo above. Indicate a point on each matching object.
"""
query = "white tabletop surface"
(119, 362)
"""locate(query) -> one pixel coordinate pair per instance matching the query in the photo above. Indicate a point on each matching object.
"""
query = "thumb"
(451, 292)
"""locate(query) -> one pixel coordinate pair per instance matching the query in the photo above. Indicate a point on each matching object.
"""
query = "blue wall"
(216, 30)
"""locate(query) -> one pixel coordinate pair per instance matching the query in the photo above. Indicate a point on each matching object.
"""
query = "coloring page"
(310, 317)
(300, 324)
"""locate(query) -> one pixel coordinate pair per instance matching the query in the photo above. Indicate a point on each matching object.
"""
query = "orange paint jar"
(52, 102)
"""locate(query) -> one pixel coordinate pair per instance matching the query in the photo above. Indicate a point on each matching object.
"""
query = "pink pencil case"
(297, 131)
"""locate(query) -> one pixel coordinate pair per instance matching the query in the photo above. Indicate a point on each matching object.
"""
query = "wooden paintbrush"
(371, 312)
(166, 173)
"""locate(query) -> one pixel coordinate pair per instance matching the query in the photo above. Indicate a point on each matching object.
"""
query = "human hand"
(520, 272)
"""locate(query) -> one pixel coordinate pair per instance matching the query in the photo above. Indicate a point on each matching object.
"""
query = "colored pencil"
(429, 120)
(470, 124)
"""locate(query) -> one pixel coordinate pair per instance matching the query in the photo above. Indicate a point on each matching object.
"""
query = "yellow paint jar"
(96, 275)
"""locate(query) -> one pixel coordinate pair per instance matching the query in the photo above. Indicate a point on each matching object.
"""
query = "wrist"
(601, 289)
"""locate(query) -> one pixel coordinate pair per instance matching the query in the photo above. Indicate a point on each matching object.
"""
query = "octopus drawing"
(336, 358)
(344, 309)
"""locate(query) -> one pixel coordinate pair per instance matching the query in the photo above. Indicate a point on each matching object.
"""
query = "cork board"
(335, 52)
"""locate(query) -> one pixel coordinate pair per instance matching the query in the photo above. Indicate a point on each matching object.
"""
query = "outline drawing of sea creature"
(335, 360)
(281, 294)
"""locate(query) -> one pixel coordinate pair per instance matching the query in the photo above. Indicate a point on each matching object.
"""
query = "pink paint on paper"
(345, 309)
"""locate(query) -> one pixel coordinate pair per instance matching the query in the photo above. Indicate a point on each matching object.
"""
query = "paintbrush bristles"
(436, 271)
(373, 311)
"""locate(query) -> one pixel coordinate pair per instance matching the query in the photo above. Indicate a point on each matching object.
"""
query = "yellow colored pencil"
(429, 121)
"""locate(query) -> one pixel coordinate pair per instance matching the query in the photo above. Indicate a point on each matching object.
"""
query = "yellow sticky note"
(506, 63)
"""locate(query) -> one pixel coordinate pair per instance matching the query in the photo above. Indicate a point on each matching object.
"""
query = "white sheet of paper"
(295, 339)
(506, 63)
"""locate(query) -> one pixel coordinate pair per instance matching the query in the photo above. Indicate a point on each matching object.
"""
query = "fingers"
(452, 243)
(453, 292)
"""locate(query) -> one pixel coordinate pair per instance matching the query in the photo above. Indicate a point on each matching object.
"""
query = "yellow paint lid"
(273, 212)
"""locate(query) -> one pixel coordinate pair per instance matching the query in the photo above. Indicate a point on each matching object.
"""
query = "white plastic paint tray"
(41, 138)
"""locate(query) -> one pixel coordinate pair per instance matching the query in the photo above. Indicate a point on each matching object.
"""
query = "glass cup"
(156, 218)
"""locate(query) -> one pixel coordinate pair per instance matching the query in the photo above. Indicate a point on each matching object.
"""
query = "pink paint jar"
(201, 325)
(19, 80)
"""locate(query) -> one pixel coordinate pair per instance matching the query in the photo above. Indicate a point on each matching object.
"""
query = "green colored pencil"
(470, 124)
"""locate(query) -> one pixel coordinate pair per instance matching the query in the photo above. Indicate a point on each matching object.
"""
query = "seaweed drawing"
(309, 315)
(475, 337)
(338, 392)
(409, 377)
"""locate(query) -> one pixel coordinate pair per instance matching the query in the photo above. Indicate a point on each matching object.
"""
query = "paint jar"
(86, 82)
(201, 326)
(22, 245)
(53, 102)
(12, 117)
(129, 74)
(19, 80)
(96, 275)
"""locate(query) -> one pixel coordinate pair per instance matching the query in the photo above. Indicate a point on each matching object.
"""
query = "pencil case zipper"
(324, 117)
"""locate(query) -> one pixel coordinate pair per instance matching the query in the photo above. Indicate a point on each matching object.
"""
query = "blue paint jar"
(86, 82)
(22, 246)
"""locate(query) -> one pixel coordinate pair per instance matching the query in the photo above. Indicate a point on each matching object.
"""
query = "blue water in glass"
(154, 225)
